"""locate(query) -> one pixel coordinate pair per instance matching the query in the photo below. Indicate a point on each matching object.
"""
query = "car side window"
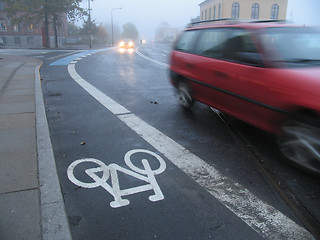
(230, 44)
(186, 41)
(210, 43)
(240, 48)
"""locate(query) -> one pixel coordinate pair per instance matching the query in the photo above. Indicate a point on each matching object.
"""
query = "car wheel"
(184, 95)
(300, 143)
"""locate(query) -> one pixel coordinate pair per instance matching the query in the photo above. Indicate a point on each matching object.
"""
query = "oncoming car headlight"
(130, 44)
(121, 44)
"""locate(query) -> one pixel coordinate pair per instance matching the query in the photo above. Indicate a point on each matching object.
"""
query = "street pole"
(89, 20)
(112, 41)
(46, 25)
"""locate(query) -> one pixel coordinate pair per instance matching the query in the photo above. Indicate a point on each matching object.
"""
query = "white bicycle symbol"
(111, 170)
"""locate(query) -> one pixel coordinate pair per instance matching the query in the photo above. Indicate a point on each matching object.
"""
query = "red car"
(266, 74)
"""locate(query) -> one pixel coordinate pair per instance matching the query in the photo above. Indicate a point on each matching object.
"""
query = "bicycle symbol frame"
(146, 174)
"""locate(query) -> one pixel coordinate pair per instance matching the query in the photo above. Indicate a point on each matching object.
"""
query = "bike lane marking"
(78, 56)
(111, 171)
(263, 218)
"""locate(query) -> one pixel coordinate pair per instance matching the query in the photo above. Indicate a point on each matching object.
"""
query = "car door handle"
(220, 74)
(190, 65)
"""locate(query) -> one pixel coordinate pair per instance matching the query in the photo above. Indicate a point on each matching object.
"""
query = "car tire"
(184, 95)
(300, 143)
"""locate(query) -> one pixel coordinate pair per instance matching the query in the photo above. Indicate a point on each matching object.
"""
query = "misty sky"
(147, 15)
(304, 12)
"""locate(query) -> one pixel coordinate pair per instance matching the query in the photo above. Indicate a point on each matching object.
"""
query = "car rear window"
(292, 46)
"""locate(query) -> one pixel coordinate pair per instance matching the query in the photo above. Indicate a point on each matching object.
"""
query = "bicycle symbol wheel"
(127, 159)
(102, 168)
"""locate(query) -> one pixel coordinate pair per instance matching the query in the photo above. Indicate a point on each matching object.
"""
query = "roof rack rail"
(219, 20)
(234, 21)
(269, 20)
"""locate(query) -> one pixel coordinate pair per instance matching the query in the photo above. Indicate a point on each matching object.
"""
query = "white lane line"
(161, 49)
(151, 59)
(107, 102)
(263, 218)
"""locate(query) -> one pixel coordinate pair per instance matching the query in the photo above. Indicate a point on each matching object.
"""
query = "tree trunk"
(55, 30)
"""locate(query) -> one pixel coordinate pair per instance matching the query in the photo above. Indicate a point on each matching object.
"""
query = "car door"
(182, 56)
(232, 76)
(208, 52)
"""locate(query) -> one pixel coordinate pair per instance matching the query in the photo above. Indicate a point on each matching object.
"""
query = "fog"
(147, 15)
(304, 12)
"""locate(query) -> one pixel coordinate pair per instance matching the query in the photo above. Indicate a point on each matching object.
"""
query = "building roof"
(205, 2)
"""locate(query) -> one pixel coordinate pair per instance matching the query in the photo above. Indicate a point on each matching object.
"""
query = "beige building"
(243, 9)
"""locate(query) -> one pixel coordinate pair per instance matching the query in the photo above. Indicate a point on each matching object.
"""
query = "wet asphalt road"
(82, 128)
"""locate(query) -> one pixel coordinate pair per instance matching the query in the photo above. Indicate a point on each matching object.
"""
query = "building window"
(214, 12)
(30, 28)
(275, 11)
(202, 16)
(17, 40)
(255, 11)
(30, 40)
(1, 5)
(16, 28)
(206, 15)
(235, 10)
(3, 25)
(210, 14)
(219, 11)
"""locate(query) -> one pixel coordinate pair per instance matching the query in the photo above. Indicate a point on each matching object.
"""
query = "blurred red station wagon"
(264, 73)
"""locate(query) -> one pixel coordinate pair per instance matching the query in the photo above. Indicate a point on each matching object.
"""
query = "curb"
(54, 223)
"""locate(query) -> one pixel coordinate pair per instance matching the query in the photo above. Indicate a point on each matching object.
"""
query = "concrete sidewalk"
(31, 205)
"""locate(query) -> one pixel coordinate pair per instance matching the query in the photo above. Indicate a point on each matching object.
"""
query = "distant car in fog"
(126, 44)
(267, 74)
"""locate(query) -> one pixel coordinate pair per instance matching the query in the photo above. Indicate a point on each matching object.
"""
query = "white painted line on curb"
(53, 215)
(263, 218)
